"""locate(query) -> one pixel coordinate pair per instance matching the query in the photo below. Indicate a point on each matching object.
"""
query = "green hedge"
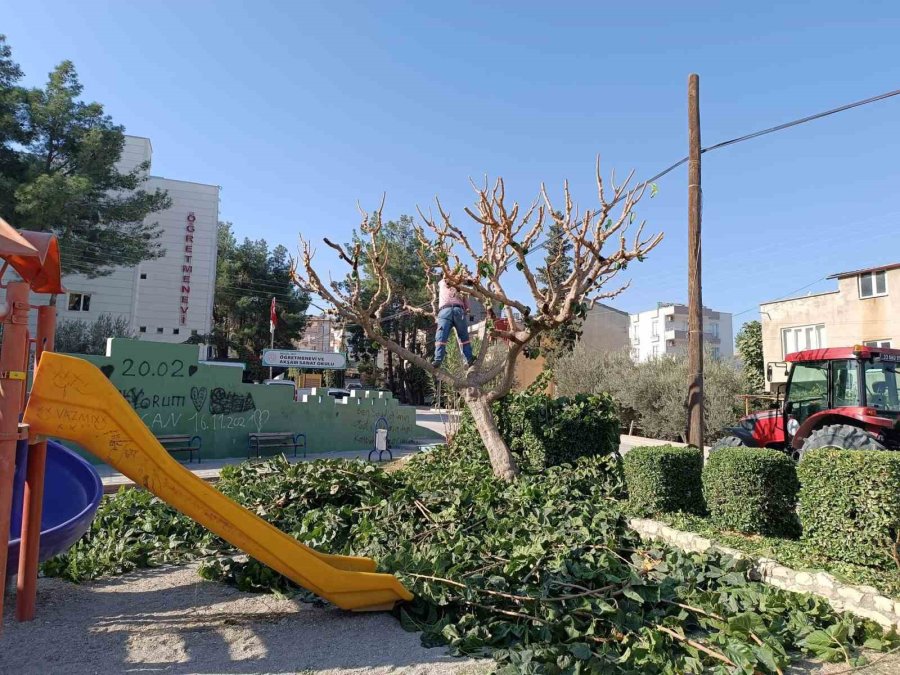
(752, 490)
(849, 504)
(664, 478)
(542, 431)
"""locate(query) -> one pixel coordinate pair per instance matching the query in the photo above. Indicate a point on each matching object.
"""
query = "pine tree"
(58, 174)
(556, 269)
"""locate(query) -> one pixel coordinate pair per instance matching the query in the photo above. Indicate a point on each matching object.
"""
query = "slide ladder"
(73, 400)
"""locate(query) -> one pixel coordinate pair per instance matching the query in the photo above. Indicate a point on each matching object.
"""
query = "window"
(194, 331)
(844, 383)
(142, 329)
(883, 344)
(175, 331)
(808, 390)
(716, 352)
(655, 351)
(655, 328)
(872, 284)
(882, 385)
(713, 330)
(159, 331)
(143, 275)
(79, 302)
(635, 354)
(802, 337)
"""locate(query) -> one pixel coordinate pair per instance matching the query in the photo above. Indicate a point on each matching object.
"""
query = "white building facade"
(664, 331)
(170, 298)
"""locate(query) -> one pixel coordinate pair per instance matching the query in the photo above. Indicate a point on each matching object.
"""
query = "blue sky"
(299, 109)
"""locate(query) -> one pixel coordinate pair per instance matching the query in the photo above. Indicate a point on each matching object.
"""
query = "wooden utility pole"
(695, 294)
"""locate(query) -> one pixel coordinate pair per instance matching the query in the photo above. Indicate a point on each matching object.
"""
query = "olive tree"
(481, 267)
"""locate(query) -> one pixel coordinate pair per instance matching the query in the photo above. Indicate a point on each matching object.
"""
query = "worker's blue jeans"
(450, 317)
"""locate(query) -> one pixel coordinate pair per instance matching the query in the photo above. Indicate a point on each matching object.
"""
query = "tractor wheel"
(838, 436)
(729, 442)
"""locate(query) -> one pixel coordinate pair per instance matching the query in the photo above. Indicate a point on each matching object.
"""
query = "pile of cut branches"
(541, 573)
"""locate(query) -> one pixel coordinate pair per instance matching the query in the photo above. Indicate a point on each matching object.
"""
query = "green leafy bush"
(542, 431)
(651, 393)
(752, 490)
(664, 478)
(132, 530)
(849, 504)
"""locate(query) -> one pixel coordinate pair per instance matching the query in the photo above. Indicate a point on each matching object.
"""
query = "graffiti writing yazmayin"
(223, 402)
(139, 401)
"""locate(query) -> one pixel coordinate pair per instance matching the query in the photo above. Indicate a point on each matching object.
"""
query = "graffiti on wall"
(223, 402)
(174, 393)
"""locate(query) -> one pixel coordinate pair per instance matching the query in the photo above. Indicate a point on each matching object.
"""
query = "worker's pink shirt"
(449, 296)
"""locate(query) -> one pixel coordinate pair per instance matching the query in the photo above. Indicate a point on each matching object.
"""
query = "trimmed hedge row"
(542, 431)
(752, 490)
(849, 504)
(847, 501)
(664, 478)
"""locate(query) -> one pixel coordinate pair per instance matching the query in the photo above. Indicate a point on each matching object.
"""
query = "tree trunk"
(389, 368)
(501, 458)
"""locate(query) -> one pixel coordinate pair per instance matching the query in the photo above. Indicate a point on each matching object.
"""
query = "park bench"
(182, 443)
(275, 439)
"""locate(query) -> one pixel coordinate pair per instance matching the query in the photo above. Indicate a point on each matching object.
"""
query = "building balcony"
(674, 334)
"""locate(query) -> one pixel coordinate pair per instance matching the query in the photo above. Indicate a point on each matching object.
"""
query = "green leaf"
(581, 651)
(654, 190)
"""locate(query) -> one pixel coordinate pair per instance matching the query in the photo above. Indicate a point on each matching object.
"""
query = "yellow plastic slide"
(73, 400)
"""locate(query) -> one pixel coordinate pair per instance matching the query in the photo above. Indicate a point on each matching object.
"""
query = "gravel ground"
(169, 620)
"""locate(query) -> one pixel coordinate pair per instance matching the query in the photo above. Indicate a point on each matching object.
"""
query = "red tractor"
(845, 397)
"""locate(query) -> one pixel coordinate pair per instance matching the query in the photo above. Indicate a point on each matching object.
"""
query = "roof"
(799, 297)
(835, 353)
(853, 273)
(611, 309)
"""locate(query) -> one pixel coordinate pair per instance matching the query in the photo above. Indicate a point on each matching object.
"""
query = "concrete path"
(432, 432)
(433, 423)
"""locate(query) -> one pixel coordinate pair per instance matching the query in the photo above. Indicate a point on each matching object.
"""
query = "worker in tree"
(453, 312)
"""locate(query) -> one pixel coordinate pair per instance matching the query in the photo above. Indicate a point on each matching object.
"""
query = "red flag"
(272, 318)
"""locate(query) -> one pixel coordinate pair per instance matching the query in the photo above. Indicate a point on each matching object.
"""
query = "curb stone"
(863, 601)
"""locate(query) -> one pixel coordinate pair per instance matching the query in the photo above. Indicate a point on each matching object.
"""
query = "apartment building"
(865, 309)
(322, 334)
(605, 329)
(664, 331)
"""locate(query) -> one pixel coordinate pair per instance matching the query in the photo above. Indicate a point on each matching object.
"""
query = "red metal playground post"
(35, 258)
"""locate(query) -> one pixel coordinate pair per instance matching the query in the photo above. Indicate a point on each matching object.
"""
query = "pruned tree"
(508, 234)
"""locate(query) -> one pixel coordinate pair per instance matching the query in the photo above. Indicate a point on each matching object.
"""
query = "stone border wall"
(863, 601)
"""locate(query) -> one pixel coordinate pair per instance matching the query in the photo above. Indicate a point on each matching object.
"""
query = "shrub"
(542, 431)
(80, 337)
(752, 490)
(651, 393)
(664, 478)
(849, 504)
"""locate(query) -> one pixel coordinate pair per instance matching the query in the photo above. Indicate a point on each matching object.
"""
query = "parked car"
(354, 385)
(338, 394)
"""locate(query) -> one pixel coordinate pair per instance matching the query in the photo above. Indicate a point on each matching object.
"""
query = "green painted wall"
(174, 394)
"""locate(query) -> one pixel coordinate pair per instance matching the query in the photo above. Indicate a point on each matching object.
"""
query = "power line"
(750, 136)
(786, 295)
